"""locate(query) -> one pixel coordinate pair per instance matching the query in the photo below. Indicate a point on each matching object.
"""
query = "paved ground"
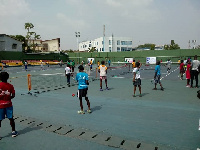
(48, 118)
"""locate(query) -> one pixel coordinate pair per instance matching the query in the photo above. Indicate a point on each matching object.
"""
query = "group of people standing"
(137, 80)
(191, 68)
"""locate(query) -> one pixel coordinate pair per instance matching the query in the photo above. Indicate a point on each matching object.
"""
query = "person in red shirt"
(7, 92)
(188, 76)
(182, 70)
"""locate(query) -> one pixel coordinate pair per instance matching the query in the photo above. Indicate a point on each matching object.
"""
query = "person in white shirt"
(194, 71)
(136, 78)
(168, 65)
(103, 74)
(68, 74)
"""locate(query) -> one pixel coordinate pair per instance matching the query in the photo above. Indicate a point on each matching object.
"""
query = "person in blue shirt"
(157, 76)
(82, 79)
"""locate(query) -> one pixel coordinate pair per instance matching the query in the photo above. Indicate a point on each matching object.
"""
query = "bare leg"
(106, 82)
(140, 90)
(88, 102)
(134, 90)
(81, 103)
(101, 83)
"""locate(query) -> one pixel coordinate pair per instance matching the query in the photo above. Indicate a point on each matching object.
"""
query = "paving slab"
(64, 130)
(76, 133)
(101, 138)
(115, 141)
(130, 145)
(88, 135)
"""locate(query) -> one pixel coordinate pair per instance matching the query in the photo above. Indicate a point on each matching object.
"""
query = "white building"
(47, 45)
(8, 43)
(107, 44)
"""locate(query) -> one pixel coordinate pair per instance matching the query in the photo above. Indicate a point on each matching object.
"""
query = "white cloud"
(71, 22)
(113, 3)
(9, 8)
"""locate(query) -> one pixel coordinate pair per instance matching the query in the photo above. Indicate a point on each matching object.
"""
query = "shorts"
(82, 93)
(103, 77)
(157, 80)
(182, 71)
(8, 112)
(137, 82)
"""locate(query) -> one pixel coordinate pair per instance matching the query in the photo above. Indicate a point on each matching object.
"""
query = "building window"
(97, 43)
(102, 42)
(129, 42)
(118, 42)
(89, 45)
(110, 42)
(126, 42)
(14, 46)
(102, 49)
(110, 49)
(118, 49)
(123, 49)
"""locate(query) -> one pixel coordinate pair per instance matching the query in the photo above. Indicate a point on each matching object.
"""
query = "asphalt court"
(166, 119)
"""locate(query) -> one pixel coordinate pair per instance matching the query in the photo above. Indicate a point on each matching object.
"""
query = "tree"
(22, 39)
(147, 46)
(171, 46)
(31, 36)
(36, 37)
(93, 49)
(198, 47)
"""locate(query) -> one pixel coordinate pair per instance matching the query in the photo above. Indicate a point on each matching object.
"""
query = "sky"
(145, 21)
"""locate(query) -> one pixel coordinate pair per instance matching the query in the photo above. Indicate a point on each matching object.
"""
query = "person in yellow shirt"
(133, 64)
(91, 62)
(103, 74)
(98, 63)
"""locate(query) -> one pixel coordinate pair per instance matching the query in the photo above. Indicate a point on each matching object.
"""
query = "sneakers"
(187, 85)
(140, 95)
(162, 89)
(14, 133)
(107, 88)
(101, 89)
(89, 111)
(134, 95)
(81, 112)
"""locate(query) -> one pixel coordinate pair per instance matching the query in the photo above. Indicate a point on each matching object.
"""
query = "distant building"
(159, 48)
(8, 43)
(47, 45)
(107, 44)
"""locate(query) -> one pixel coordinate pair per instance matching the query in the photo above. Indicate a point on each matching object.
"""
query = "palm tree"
(28, 26)
(36, 37)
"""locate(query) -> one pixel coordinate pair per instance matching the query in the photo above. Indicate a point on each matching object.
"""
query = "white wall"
(110, 45)
(9, 44)
(53, 45)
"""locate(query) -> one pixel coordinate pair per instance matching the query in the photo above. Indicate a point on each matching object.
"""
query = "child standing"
(103, 74)
(157, 76)
(91, 62)
(168, 65)
(68, 74)
(136, 78)
(7, 92)
(83, 83)
(188, 73)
